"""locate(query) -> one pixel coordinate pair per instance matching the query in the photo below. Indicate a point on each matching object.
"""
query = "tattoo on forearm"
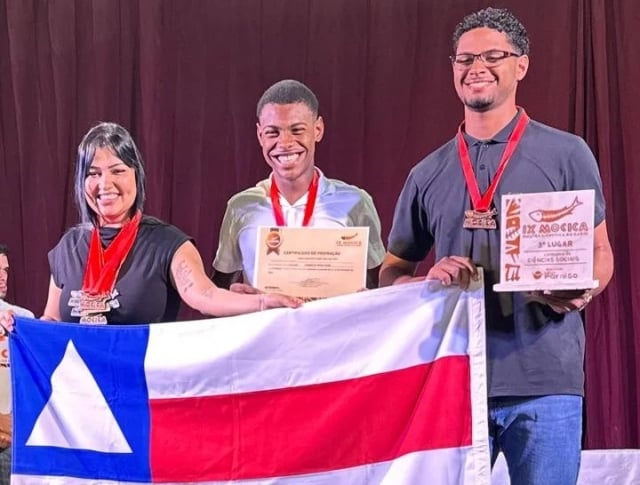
(208, 293)
(183, 276)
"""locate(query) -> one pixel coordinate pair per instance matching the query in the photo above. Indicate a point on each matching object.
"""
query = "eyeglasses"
(488, 58)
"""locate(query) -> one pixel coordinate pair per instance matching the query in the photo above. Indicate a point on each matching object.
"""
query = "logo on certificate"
(273, 241)
(349, 240)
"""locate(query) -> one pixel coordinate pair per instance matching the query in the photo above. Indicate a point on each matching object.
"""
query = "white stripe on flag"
(478, 465)
(415, 468)
(329, 340)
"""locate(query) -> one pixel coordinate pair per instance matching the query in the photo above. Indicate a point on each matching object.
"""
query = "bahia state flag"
(380, 387)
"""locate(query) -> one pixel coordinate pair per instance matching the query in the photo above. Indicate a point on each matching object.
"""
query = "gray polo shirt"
(531, 350)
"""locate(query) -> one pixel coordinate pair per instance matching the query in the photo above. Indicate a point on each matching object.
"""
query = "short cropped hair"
(116, 138)
(4, 250)
(288, 91)
(499, 19)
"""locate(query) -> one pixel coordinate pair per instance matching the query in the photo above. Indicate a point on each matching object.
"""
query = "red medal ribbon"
(483, 203)
(308, 210)
(103, 265)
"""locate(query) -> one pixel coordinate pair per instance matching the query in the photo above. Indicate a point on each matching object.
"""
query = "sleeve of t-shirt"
(53, 264)
(584, 174)
(368, 217)
(170, 238)
(57, 257)
(228, 257)
(410, 238)
(175, 238)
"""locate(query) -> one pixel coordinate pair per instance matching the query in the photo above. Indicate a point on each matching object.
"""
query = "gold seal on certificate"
(546, 242)
(273, 240)
(311, 262)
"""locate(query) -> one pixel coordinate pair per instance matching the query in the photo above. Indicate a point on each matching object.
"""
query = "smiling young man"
(535, 342)
(296, 193)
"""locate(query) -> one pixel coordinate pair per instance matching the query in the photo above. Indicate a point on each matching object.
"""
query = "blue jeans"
(5, 465)
(540, 438)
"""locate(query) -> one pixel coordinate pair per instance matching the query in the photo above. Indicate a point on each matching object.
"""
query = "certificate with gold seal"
(311, 262)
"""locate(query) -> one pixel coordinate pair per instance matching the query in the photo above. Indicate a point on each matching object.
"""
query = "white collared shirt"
(338, 205)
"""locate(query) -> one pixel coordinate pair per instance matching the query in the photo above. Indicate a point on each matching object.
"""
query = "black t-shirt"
(145, 292)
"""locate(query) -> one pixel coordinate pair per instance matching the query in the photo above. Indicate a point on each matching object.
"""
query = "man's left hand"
(562, 301)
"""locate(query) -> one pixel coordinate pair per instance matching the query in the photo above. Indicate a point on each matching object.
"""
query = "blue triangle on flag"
(63, 375)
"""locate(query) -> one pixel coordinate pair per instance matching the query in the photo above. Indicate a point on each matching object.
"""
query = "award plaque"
(546, 241)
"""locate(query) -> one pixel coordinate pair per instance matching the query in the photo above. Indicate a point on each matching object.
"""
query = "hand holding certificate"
(311, 263)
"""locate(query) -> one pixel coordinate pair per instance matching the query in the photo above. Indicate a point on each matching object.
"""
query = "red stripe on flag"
(312, 428)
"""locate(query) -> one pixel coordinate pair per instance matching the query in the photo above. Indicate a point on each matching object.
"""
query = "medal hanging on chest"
(477, 219)
(97, 296)
(482, 216)
(308, 210)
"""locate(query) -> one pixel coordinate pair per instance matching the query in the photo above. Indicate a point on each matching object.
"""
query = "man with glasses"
(535, 341)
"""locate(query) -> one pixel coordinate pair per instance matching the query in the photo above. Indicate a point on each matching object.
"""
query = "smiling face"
(288, 134)
(483, 88)
(110, 188)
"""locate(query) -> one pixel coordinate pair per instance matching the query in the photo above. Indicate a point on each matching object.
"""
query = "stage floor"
(598, 467)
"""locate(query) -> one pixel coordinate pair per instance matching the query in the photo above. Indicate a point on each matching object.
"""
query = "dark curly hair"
(288, 91)
(499, 19)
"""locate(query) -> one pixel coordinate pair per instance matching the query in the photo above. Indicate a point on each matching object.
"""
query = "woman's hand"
(276, 300)
(267, 300)
(244, 288)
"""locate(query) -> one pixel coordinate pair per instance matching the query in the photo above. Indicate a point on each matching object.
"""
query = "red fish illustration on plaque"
(552, 215)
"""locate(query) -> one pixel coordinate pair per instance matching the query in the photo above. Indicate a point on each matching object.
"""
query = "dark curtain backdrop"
(184, 76)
